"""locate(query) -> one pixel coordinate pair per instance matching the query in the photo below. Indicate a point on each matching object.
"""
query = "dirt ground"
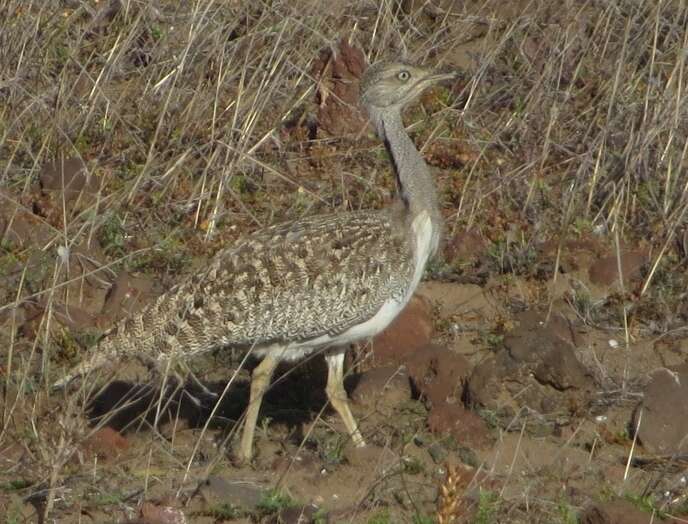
(539, 374)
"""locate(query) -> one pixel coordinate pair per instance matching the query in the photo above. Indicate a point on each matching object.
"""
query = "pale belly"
(425, 243)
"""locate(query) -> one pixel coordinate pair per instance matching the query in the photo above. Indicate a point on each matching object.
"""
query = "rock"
(465, 426)
(154, 514)
(382, 389)
(411, 331)
(551, 357)
(438, 373)
(604, 272)
(217, 491)
(338, 72)
(537, 367)
(107, 443)
(615, 512)
(663, 429)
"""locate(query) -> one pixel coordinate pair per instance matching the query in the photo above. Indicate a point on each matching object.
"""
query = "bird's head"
(392, 85)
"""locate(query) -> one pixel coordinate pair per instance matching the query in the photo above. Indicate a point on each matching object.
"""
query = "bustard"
(316, 283)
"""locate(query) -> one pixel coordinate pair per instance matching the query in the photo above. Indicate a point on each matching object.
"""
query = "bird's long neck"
(415, 185)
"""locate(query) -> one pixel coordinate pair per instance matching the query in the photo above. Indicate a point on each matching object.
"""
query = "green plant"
(488, 504)
(380, 517)
(15, 485)
(646, 503)
(273, 501)
(567, 515)
(423, 519)
(224, 511)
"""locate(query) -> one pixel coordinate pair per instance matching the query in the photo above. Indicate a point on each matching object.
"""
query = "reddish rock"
(604, 271)
(411, 331)
(663, 428)
(465, 426)
(107, 443)
(338, 71)
(154, 514)
(382, 389)
(438, 373)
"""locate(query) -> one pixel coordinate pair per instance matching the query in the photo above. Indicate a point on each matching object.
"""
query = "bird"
(317, 283)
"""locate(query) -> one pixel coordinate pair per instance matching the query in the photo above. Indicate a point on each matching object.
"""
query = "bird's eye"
(404, 76)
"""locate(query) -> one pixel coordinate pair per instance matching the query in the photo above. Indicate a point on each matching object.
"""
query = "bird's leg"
(207, 392)
(337, 395)
(260, 381)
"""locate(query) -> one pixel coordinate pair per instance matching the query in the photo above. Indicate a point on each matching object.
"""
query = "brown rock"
(382, 388)
(338, 72)
(487, 386)
(615, 512)
(663, 428)
(217, 490)
(550, 356)
(409, 332)
(438, 373)
(604, 272)
(537, 367)
(465, 426)
(107, 443)
(67, 175)
(154, 514)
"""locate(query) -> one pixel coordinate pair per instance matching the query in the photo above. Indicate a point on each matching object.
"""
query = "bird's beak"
(439, 77)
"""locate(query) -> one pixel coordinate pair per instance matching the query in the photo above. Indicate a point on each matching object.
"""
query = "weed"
(488, 505)
(15, 485)
(274, 501)
(224, 511)
(380, 517)
(331, 448)
(112, 235)
(567, 514)
(107, 499)
(647, 504)
(423, 519)
(412, 466)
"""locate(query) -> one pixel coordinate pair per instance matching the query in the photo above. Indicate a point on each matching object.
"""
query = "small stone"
(604, 271)
(217, 491)
(107, 443)
(154, 514)
(662, 416)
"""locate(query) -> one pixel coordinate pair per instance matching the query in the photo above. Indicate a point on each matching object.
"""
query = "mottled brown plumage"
(314, 283)
(289, 283)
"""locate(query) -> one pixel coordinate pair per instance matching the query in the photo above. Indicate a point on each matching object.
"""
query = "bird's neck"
(415, 185)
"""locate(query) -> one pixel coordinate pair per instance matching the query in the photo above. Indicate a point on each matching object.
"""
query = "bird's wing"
(287, 283)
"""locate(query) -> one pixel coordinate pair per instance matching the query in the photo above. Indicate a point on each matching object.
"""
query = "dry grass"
(573, 124)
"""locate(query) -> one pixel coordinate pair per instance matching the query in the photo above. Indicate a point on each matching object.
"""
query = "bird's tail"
(96, 361)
